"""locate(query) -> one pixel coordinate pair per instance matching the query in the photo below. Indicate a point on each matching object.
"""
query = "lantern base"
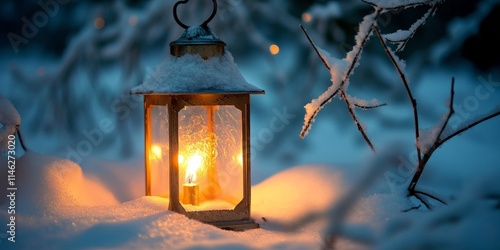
(240, 225)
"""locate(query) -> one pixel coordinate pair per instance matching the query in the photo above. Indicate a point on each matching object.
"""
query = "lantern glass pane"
(210, 157)
(158, 156)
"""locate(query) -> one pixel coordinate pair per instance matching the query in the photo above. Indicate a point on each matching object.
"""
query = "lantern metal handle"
(204, 24)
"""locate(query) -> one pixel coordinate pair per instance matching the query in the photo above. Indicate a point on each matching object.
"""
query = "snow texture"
(61, 207)
(402, 36)
(193, 74)
(394, 4)
(340, 71)
(9, 121)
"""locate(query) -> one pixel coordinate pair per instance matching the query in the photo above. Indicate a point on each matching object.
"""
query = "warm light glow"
(99, 23)
(274, 49)
(132, 20)
(193, 163)
(240, 159)
(156, 152)
(306, 17)
(180, 159)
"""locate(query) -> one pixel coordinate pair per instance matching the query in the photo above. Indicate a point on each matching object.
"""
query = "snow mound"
(298, 190)
(61, 208)
(49, 185)
(193, 74)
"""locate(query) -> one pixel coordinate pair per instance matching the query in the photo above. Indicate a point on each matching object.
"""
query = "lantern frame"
(240, 215)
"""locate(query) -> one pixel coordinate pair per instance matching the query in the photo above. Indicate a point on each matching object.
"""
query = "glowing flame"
(156, 152)
(274, 49)
(193, 163)
(180, 159)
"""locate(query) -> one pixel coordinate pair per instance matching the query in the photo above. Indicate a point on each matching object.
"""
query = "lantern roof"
(191, 74)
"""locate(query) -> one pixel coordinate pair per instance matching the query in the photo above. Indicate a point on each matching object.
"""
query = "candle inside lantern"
(191, 189)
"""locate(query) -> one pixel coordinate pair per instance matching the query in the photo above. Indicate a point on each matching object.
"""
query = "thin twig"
(411, 208)
(431, 196)
(408, 92)
(20, 137)
(369, 107)
(468, 127)
(450, 112)
(356, 121)
(342, 93)
(423, 201)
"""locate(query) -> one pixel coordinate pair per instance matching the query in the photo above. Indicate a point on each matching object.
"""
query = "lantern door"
(211, 173)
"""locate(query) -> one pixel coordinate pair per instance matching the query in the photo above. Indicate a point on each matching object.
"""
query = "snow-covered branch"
(388, 5)
(401, 37)
(340, 73)
(350, 102)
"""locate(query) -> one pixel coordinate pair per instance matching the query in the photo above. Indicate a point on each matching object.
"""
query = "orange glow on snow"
(99, 23)
(274, 49)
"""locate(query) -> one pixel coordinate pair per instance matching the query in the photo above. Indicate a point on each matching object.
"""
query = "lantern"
(196, 120)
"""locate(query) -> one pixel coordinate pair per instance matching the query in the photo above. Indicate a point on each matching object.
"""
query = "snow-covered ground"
(60, 207)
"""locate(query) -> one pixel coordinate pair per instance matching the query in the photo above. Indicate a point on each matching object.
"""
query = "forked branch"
(352, 65)
(343, 95)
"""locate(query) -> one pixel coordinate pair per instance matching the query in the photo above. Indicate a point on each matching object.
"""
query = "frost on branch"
(401, 37)
(397, 4)
(10, 119)
(340, 71)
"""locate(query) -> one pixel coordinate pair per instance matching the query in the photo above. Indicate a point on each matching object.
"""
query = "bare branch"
(440, 141)
(20, 137)
(411, 208)
(315, 48)
(473, 124)
(408, 92)
(450, 112)
(356, 120)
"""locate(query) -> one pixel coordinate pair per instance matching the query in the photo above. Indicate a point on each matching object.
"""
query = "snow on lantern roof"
(191, 74)
(198, 64)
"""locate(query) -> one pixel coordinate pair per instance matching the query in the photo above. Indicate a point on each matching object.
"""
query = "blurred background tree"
(81, 64)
